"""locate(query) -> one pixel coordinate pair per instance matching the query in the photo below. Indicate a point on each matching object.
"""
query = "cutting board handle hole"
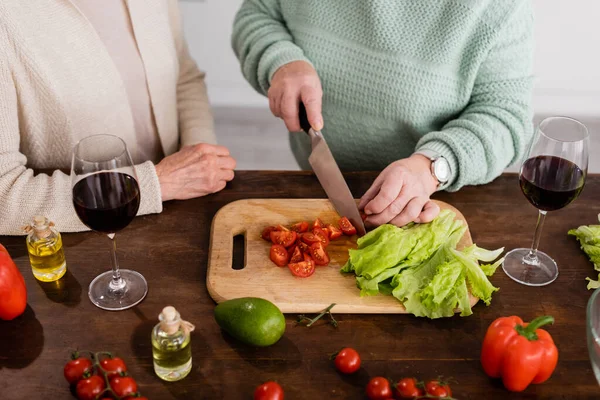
(239, 244)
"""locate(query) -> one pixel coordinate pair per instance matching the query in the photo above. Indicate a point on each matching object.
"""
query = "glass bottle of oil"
(171, 347)
(45, 248)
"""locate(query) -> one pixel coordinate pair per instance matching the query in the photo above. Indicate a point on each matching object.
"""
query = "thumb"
(311, 98)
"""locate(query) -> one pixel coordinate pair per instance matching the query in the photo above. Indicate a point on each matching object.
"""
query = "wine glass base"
(133, 292)
(544, 273)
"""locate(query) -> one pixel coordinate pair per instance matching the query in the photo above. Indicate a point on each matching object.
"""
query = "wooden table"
(170, 250)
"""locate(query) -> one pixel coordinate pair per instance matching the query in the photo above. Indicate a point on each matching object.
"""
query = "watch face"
(441, 169)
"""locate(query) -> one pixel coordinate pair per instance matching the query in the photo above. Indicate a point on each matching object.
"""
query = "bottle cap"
(170, 320)
(40, 225)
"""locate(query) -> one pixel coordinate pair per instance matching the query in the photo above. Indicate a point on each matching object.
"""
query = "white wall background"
(567, 54)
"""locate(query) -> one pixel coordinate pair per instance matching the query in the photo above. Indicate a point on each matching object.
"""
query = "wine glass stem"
(531, 258)
(117, 283)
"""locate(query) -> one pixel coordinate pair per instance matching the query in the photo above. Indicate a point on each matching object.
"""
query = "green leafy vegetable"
(420, 266)
(589, 239)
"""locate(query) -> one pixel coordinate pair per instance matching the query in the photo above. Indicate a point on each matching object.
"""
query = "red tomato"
(75, 369)
(300, 227)
(112, 366)
(303, 269)
(266, 233)
(134, 398)
(304, 248)
(334, 232)
(269, 391)
(322, 235)
(347, 361)
(317, 223)
(90, 388)
(347, 227)
(379, 389)
(296, 256)
(279, 255)
(13, 293)
(285, 239)
(406, 388)
(310, 238)
(437, 388)
(318, 254)
(123, 385)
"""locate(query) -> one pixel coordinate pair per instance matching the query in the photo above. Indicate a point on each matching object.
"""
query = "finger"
(411, 211)
(272, 95)
(226, 163)
(220, 186)
(390, 189)
(430, 211)
(277, 104)
(372, 192)
(217, 150)
(226, 175)
(289, 112)
(392, 211)
(311, 98)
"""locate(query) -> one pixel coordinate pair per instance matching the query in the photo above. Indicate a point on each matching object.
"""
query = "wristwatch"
(440, 167)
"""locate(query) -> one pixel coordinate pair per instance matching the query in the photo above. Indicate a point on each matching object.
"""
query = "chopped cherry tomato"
(266, 233)
(347, 361)
(75, 369)
(322, 235)
(279, 255)
(317, 223)
(318, 253)
(407, 388)
(379, 389)
(113, 366)
(282, 228)
(296, 256)
(304, 248)
(334, 232)
(437, 388)
(90, 388)
(347, 227)
(300, 227)
(123, 385)
(286, 239)
(303, 269)
(269, 391)
(310, 238)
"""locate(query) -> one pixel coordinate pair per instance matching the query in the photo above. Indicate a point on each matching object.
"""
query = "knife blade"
(327, 171)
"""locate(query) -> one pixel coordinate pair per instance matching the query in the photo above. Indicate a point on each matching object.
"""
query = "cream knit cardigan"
(58, 84)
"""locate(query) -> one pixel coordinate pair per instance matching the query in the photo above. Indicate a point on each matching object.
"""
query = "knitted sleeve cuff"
(276, 56)
(445, 151)
(151, 199)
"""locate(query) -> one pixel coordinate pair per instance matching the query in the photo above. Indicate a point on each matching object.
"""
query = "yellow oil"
(47, 259)
(172, 354)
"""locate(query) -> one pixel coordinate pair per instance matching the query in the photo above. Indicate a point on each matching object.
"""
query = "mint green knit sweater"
(454, 76)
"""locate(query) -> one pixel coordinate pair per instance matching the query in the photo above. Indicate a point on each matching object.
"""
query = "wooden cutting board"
(261, 278)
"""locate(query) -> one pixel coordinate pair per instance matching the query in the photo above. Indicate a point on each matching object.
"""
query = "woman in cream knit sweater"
(74, 68)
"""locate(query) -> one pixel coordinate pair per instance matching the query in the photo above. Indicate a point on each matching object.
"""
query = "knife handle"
(303, 118)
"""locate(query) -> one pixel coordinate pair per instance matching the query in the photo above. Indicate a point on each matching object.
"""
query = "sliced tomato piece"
(266, 233)
(282, 228)
(334, 232)
(302, 269)
(300, 227)
(317, 224)
(347, 227)
(286, 239)
(322, 235)
(279, 255)
(318, 254)
(310, 238)
(307, 256)
(296, 256)
(304, 248)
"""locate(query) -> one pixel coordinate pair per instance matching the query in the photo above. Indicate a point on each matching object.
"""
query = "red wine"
(107, 201)
(550, 182)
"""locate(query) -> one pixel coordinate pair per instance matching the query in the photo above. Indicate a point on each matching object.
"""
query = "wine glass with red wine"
(551, 177)
(106, 197)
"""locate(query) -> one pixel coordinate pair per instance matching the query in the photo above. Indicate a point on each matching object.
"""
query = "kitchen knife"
(324, 166)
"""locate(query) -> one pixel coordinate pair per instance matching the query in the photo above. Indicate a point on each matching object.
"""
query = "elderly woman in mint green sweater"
(436, 93)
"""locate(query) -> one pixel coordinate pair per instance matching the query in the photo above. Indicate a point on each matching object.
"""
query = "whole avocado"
(252, 320)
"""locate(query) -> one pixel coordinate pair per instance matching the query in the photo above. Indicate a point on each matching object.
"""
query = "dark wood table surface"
(171, 251)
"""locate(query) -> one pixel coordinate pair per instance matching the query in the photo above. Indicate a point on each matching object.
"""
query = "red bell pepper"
(13, 293)
(518, 352)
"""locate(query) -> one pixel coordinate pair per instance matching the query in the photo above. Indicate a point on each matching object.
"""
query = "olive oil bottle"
(171, 347)
(45, 248)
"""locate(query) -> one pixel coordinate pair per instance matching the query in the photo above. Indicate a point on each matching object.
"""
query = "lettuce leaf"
(589, 239)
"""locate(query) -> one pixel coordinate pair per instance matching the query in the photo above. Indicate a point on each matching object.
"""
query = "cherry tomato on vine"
(123, 385)
(113, 366)
(90, 388)
(75, 369)
(407, 388)
(436, 388)
(347, 361)
(379, 389)
(269, 391)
